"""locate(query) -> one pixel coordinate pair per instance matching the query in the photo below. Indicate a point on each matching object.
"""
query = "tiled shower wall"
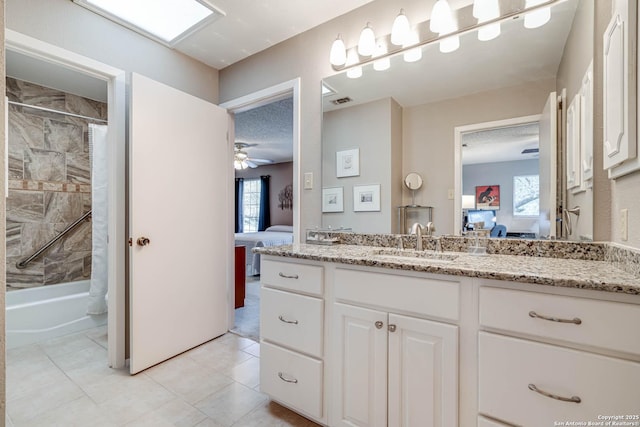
(49, 185)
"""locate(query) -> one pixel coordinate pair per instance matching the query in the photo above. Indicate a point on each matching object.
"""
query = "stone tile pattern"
(624, 258)
(49, 184)
(562, 272)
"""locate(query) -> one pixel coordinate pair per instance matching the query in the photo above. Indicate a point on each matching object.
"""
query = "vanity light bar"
(364, 60)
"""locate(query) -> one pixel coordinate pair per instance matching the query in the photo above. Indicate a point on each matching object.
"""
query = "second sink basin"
(404, 254)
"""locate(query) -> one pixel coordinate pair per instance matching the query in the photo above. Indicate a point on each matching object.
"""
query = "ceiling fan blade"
(239, 145)
(251, 164)
(253, 159)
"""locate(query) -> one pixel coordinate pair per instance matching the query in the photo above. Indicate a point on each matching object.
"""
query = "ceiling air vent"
(530, 150)
(341, 100)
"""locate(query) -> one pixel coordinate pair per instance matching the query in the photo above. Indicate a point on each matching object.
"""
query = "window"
(251, 205)
(526, 195)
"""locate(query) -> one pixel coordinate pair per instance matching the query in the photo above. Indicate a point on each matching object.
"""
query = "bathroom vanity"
(369, 336)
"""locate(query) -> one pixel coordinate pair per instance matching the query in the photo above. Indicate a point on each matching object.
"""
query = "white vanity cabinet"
(390, 367)
(550, 358)
(291, 337)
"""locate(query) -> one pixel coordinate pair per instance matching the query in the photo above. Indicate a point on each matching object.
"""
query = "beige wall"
(428, 138)
(307, 56)
(375, 129)
(281, 176)
(72, 27)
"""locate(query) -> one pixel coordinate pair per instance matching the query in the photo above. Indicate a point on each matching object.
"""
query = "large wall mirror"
(488, 101)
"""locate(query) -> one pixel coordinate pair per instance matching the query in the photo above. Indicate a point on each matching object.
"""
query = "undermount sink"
(404, 254)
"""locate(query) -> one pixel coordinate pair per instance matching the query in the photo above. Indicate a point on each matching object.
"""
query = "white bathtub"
(46, 312)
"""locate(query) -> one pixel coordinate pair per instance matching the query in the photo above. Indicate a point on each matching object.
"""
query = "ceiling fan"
(241, 159)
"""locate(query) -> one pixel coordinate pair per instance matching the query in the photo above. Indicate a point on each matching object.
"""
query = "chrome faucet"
(416, 229)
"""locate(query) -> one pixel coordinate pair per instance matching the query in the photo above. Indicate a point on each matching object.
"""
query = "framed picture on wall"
(366, 198)
(348, 163)
(488, 197)
(333, 199)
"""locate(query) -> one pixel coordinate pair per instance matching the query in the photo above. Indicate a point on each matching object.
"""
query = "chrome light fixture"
(400, 30)
(385, 62)
(367, 42)
(338, 54)
(443, 23)
(415, 54)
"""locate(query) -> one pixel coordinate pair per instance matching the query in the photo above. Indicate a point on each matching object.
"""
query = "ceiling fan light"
(400, 29)
(489, 32)
(338, 54)
(537, 18)
(367, 42)
(241, 155)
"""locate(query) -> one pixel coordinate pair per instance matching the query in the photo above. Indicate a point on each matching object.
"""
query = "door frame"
(457, 158)
(116, 139)
(248, 102)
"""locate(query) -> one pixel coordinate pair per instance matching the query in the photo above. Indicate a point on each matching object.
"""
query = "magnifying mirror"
(413, 181)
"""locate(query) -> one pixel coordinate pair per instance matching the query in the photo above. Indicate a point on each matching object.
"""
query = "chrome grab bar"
(573, 399)
(23, 264)
(575, 320)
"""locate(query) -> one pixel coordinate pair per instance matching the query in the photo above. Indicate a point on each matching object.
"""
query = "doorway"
(62, 64)
(249, 117)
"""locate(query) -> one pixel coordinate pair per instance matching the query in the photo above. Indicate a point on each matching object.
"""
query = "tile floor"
(65, 382)
(248, 317)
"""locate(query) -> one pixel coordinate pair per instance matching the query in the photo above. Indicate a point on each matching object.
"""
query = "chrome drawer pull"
(294, 276)
(293, 381)
(574, 399)
(282, 319)
(535, 315)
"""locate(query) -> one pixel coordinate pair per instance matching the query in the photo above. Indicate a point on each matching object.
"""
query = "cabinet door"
(619, 109)
(360, 374)
(423, 373)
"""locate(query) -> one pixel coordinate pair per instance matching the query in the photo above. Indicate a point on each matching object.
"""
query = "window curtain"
(264, 220)
(239, 197)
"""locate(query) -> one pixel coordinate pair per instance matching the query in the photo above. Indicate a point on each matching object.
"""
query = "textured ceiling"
(500, 145)
(270, 128)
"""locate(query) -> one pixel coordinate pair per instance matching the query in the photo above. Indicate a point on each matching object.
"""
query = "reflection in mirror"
(403, 119)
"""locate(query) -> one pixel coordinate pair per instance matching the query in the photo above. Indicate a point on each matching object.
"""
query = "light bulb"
(537, 18)
(441, 16)
(400, 29)
(415, 54)
(486, 10)
(449, 44)
(367, 42)
(338, 54)
(355, 72)
(382, 63)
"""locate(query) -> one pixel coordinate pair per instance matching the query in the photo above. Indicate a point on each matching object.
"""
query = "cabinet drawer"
(510, 367)
(432, 297)
(291, 378)
(292, 320)
(292, 276)
(602, 323)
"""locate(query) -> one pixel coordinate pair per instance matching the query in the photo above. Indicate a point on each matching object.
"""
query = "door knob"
(143, 241)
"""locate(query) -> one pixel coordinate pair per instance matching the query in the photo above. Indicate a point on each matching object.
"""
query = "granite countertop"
(569, 273)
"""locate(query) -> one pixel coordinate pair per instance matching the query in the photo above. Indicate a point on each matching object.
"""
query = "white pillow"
(285, 228)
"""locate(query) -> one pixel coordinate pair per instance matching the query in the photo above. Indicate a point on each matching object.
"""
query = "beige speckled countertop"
(569, 273)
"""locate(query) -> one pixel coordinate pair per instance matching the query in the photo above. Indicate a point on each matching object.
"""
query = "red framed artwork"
(488, 197)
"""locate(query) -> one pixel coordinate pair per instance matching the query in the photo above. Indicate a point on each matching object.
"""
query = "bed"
(272, 236)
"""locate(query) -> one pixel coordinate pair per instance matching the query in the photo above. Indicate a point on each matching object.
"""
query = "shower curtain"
(99, 198)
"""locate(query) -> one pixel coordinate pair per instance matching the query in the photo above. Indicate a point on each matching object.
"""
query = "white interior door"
(548, 166)
(179, 189)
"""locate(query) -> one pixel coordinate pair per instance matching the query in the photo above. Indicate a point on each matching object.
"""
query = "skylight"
(167, 21)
